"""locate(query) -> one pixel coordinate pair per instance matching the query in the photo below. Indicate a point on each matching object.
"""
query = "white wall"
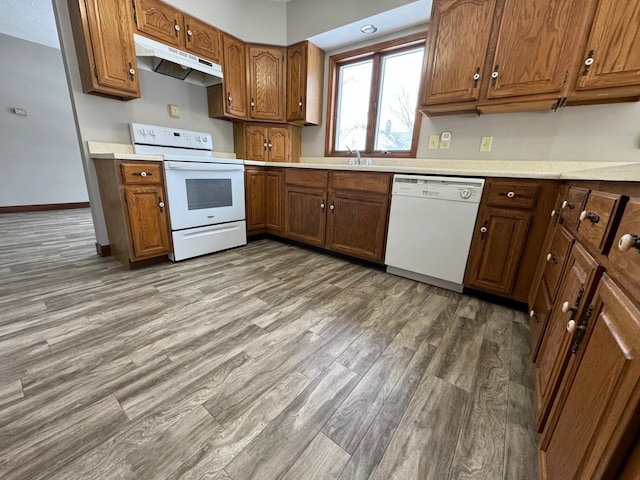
(254, 21)
(595, 133)
(40, 161)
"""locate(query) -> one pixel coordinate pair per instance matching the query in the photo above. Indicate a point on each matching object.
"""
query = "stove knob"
(198, 138)
(143, 132)
(152, 133)
(205, 139)
(466, 193)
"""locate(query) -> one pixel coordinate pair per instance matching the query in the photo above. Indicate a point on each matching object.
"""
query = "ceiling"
(34, 20)
(31, 20)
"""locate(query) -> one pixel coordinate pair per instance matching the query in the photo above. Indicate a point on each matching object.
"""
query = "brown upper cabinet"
(305, 75)
(103, 35)
(229, 99)
(266, 83)
(495, 56)
(165, 24)
(610, 62)
(267, 142)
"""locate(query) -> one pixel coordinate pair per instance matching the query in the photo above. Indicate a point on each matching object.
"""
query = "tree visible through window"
(375, 100)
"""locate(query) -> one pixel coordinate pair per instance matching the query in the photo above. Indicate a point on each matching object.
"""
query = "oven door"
(204, 193)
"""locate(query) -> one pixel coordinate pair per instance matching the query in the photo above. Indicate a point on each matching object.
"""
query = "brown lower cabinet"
(587, 369)
(510, 227)
(344, 212)
(133, 199)
(263, 200)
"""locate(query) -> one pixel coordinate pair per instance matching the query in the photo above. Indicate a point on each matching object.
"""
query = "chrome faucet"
(357, 152)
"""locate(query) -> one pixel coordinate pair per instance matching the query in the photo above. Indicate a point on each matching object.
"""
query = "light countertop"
(558, 170)
(566, 170)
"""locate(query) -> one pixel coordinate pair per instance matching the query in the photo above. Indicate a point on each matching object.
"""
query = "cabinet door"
(234, 80)
(612, 57)
(536, 43)
(305, 214)
(159, 21)
(266, 83)
(255, 194)
(357, 224)
(496, 249)
(296, 81)
(593, 427)
(278, 144)
(554, 352)
(108, 32)
(457, 49)
(256, 146)
(273, 213)
(202, 39)
(148, 221)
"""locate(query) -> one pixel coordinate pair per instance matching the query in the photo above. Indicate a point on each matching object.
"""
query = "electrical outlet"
(174, 111)
(445, 140)
(485, 144)
(433, 142)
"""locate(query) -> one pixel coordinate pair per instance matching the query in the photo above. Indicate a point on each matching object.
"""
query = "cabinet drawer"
(572, 206)
(512, 194)
(538, 317)
(595, 222)
(307, 178)
(625, 255)
(366, 182)
(556, 259)
(141, 173)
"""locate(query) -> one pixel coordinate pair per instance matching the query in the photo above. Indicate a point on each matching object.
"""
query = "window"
(373, 95)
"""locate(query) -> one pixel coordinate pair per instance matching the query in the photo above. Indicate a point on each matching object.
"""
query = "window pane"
(398, 100)
(354, 85)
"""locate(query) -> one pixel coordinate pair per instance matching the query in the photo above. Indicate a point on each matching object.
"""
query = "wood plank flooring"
(262, 362)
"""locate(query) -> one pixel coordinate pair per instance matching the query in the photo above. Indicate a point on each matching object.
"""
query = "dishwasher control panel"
(442, 188)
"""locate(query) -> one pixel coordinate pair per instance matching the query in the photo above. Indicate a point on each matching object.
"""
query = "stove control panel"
(143, 134)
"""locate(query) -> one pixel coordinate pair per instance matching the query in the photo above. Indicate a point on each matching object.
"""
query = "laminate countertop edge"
(576, 170)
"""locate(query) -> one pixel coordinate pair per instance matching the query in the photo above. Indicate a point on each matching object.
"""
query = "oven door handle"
(209, 167)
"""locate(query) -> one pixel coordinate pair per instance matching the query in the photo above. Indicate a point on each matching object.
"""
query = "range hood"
(161, 58)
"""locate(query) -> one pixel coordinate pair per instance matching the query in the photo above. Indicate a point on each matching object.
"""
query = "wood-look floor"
(263, 362)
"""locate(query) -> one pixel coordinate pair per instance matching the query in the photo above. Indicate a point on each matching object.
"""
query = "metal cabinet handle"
(582, 329)
(593, 217)
(322, 205)
(132, 70)
(483, 230)
(495, 75)
(265, 145)
(332, 208)
(176, 27)
(253, 104)
(552, 257)
(476, 77)
(553, 213)
(160, 203)
(229, 98)
(300, 104)
(568, 205)
(629, 241)
(270, 145)
(189, 32)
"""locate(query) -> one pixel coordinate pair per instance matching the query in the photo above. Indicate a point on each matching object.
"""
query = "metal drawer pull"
(629, 241)
(626, 351)
(582, 329)
(591, 216)
(142, 174)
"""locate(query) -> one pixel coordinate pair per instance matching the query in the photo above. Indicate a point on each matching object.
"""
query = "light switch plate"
(433, 142)
(20, 111)
(485, 144)
(174, 111)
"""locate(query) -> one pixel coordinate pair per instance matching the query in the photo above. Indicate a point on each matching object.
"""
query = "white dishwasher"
(430, 228)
